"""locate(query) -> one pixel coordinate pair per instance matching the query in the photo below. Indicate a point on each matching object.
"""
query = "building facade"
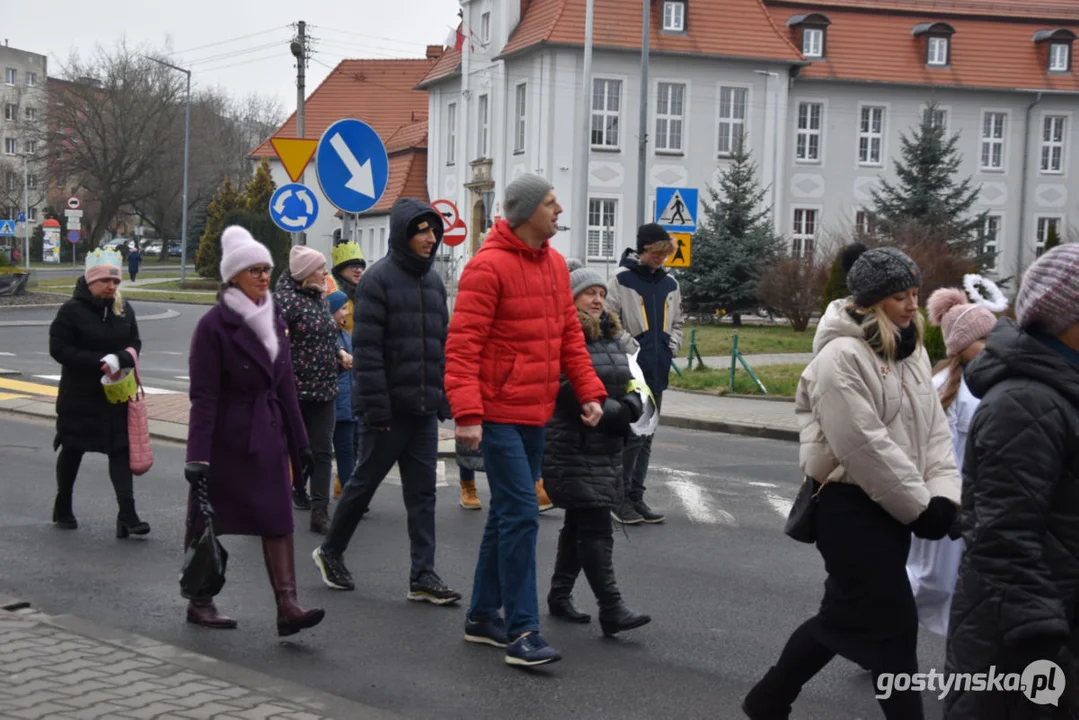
(23, 106)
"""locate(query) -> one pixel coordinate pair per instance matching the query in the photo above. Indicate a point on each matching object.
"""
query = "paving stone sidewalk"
(65, 668)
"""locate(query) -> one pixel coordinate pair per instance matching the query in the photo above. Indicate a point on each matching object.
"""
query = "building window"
(11, 112)
(31, 147)
(9, 76)
(990, 239)
(485, 28)
(993, 124)
(451, 133)
(601, 228)
(938, 119)
(804, 233)
(670, 117)
(31, 79)
(938, 50)
(813, 42)
(1045, 225)
(33, 214)
(1060, 57)
(871, 136)
(485, 127)
(732, 119)
(11, 146)
(12, 181)
(606, 101)
(519, 114)
(1053, 133)
(382, 249)
(863, 223)
(31, 181)
(674, 16)
(31, 114)
(807, 144)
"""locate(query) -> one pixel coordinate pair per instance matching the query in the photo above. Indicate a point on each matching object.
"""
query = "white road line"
(149, 390)
(55, 378)
(779, 504)
(697, 505)
(182, 377)
(394, 476)
(763, 484)
(7, 354)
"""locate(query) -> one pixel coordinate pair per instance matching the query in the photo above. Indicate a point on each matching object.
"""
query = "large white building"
(22, 106)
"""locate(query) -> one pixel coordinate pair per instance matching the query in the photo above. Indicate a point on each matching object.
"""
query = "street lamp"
(775, 143)
(187, 131)
(26, 209)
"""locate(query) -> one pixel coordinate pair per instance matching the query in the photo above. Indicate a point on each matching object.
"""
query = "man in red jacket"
(514, 332)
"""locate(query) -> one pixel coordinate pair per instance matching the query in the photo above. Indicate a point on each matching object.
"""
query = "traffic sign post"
(73, 236)
(677, 209)
(352, 166)
(454, 230)
(683, 251)
(73, 203)
(294, 207)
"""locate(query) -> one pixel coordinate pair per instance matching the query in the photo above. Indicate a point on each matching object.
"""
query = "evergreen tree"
(262, 228)
(260, 189)
(836, 285)
(208, 258)
(1052, 238)
(927, 192)
(733, 244)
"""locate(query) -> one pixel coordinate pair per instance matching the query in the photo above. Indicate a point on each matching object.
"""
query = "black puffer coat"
(1018, 588)
(399, 327)
(312, 335)
(84, 331)
(582, 466)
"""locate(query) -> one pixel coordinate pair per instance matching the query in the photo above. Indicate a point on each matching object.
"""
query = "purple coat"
(245, 421)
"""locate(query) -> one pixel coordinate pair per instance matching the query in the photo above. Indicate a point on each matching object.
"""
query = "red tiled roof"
(878, 46)
(408, 178)
(408, 137)
(448, 65)
(380, 92)
(1030, 9)
(726, 28)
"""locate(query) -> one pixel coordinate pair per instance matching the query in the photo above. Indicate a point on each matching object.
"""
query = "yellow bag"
(121, 390)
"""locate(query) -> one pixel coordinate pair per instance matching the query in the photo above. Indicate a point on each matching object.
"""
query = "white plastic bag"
(649, 420)
(932, 567)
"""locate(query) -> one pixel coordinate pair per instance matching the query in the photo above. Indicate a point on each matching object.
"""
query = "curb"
(720, 426)
(167, 315)
(763, 398)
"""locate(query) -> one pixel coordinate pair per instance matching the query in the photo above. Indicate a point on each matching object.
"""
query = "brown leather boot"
(469, 501)
(281, 567)
(544, 502)
(202, 611)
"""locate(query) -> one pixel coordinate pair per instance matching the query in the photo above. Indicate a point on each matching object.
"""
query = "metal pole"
(26, 203)
(579, 224)
(299, 51)
(642, 144)
(187, 145)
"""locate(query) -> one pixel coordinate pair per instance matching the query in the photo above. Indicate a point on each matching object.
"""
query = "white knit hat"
(240, 251)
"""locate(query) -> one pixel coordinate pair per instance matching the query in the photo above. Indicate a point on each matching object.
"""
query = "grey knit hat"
(873, 275)
(523, 196)
(1048, 299)
(582, 277)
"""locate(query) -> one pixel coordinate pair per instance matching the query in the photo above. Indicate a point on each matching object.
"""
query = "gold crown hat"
(346, 252)
(102, 264)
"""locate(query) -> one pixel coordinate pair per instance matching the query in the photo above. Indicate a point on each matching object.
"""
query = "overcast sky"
(208, 35)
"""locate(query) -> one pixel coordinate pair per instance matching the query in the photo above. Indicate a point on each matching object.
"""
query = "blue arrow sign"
(73, 236)
(294, 207)
(7, 228)
(22, 217)
(352, 166)
(676, 209)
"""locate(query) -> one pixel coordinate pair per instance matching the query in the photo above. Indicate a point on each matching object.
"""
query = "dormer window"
(1060, 57)
(1059, 44)
(938, 46)
(813, 28)
(938, 51)
(674, 16)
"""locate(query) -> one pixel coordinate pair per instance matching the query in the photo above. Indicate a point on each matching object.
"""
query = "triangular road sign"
(294, 153)
(677, 212)
(7, 227)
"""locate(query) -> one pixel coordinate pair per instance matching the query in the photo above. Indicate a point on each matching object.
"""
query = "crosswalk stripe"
(149, 390)
(25, 387)
(699, 508)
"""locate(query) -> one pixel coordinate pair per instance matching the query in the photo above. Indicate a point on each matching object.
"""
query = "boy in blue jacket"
(345, 430)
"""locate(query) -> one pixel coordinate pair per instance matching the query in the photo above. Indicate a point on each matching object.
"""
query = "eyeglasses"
(259, 270)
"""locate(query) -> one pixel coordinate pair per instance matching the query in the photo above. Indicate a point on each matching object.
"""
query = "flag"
(456, 38)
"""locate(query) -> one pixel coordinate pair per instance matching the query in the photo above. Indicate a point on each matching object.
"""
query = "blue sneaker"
(491, 631)
(530, 650)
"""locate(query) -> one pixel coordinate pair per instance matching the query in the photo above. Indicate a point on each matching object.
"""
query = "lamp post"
(26, 209)
(187, 140)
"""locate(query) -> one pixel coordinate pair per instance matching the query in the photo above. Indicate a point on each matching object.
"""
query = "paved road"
(149, 266)
(724, 585)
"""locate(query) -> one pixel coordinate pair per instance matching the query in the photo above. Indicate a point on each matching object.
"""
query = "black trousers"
(586, 542)
(67, 469)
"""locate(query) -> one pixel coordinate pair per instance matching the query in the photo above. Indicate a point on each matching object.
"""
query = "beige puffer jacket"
(876, 424)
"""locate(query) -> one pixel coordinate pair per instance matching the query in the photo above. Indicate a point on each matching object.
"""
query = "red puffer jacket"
(514, 331)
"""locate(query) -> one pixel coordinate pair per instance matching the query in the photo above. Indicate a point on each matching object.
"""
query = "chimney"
(434, 52)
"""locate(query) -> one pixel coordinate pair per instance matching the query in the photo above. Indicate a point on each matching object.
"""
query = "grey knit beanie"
(582, 277)
(873, 275)
(523, 196)
(1048, 299)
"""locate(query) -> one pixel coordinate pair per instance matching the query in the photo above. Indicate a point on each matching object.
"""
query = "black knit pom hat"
(873, 275)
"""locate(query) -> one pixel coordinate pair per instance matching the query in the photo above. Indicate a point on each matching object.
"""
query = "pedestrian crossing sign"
(683, 251)
(676, 209)
(7, 228)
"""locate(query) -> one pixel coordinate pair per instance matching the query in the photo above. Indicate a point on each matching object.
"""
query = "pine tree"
(208, 258)
(836, 285)
(1052, 238)
(927, 192)
(262, 228)
(259, 190)
(732, 245)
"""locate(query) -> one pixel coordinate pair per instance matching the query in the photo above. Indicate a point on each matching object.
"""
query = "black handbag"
(802, 520)
(203, 572)
(468, 458)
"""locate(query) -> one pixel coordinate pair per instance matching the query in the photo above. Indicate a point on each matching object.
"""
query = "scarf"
(906, 339)
(344, 284)
(260, 318)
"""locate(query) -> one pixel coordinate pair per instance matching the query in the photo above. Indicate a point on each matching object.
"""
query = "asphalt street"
(724, 585)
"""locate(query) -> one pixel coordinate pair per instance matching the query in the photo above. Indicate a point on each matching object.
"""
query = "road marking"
(149, 390)
(7, 354)
(779, 504)
(763, 484)
(181, 377)
(697, 505)
(393, 477)
(12, 396)
(25, 387)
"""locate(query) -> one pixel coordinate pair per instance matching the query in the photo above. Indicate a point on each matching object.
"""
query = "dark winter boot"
(320, 521)
(128, 522)
(566, 569)
(202, 611)
(597, 559)
(62, 513)
(770, 699)
(281, 567)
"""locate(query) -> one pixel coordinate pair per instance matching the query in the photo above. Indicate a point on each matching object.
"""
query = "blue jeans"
(344, 447)
(506, 569)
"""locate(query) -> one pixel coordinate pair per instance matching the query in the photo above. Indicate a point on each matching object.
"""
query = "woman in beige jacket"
(874, 434)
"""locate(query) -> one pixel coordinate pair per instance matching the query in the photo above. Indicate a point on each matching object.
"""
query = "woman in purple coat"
(245, 430)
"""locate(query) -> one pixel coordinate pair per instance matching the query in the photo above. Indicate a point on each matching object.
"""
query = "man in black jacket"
(399, 340)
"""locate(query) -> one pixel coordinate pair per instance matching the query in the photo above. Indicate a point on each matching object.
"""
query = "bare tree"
(792, 287)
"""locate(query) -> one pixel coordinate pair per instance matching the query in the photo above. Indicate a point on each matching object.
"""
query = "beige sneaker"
(545, 503)
(469, 501)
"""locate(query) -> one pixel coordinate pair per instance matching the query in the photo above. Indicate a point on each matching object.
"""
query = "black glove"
(615, 419)
(126, 361)
(935, 520)
(307, 463)
(634, 407)
(195, 473)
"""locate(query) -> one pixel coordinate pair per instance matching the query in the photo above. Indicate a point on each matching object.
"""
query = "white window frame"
(1050, 145)
(1041, 231)
(451, 134)
(613, 241)
(809, 132)
(485, 27)
(991, 141)
(1060, 51)
(381, 241)
(31, 181)
(11, 76)
(869, 136)
(483, 136)
(520, 117)
(995, 243)
(605, 114)
(947, 110)
(11, 146)
(933, 46)
(31, 114)
(731, 128)
(862, 214)
(11, 112)
(31, 79)
(674, 16)
(799, 238)
(33, 214)
(663, 139)
(809, 48)
(12, 182)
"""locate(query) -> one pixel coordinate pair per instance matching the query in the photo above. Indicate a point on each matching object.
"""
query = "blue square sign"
(677, 209)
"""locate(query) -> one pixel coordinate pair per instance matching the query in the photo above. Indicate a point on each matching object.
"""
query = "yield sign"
(294, 153)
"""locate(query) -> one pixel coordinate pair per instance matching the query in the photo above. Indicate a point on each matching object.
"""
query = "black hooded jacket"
(399, 327)
(1017, 593)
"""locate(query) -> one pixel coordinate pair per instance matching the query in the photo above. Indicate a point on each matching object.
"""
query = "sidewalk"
(66, 667)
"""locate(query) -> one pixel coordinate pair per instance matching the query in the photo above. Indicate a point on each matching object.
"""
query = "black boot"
(770, 699)
(566, 569)
(281, 567)
(62, 513)
(597, 559)
(128, 522)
